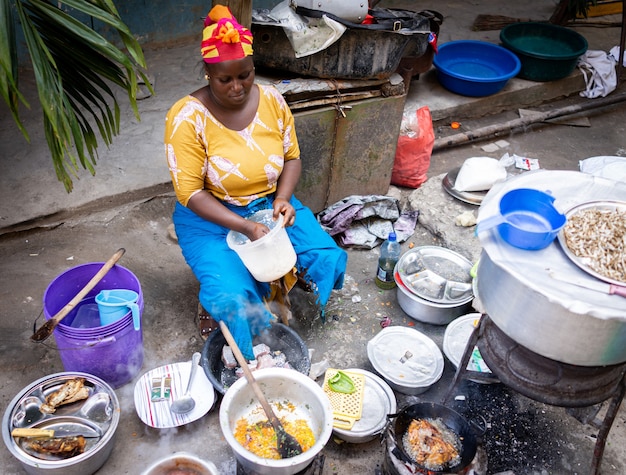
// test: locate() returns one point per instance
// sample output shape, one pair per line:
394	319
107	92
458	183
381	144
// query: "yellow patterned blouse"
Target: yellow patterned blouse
236	166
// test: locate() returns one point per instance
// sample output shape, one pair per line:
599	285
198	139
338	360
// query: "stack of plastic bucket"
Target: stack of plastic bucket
112	352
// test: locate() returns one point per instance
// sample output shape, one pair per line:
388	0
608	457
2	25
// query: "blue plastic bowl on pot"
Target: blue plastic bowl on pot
475	68
527	219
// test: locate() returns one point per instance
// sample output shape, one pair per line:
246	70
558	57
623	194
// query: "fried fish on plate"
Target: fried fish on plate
71	391
64	447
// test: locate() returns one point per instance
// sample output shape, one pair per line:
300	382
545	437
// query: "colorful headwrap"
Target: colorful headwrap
223	38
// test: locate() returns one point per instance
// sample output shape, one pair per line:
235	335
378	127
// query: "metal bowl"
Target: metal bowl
434	284
184	463
281	386
100	412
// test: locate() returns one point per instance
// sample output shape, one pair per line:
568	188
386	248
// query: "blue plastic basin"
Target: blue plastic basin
527	220
475	68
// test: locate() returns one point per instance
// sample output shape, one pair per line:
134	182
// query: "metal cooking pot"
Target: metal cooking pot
553	319
434	284
467	433
279	387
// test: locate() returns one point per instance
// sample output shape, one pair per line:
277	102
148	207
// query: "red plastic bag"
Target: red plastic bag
415	146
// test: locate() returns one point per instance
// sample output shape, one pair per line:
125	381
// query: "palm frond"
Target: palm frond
74	68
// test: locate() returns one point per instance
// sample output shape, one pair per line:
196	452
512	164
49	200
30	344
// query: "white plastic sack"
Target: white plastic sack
479	174
615	52
613	168
598	69
307	35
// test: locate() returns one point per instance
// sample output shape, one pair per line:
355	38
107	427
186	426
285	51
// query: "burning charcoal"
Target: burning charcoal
260	350
280	360
228	358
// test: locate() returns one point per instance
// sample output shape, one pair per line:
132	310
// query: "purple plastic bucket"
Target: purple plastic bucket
112	352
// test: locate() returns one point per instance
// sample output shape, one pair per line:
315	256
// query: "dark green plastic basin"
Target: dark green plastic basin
547	52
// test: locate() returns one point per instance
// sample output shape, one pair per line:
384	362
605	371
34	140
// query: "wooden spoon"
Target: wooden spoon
47	328
287	444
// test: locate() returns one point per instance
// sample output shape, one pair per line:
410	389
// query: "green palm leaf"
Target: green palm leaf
75	68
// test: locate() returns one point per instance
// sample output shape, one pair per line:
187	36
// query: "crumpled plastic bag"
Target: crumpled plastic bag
365	221
613	168
306	35
479	174
598	69
615	52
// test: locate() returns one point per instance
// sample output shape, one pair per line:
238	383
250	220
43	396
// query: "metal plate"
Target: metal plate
99	413
471	197
436	274
581	261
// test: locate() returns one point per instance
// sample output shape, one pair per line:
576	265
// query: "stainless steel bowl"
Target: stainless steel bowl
181	461
434	284
100	412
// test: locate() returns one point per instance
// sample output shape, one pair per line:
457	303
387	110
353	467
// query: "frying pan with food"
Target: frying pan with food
466	432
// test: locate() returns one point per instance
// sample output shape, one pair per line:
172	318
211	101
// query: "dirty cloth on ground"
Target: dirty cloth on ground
598	69
365	221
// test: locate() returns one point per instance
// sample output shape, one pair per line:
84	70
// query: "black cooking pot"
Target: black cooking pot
277	336
466	432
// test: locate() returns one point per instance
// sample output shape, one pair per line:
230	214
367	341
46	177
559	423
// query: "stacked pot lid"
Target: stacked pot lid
435	274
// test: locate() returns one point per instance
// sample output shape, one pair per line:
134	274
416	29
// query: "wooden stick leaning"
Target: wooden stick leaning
47	328
287	445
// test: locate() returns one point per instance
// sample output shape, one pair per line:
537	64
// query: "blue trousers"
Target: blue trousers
227	289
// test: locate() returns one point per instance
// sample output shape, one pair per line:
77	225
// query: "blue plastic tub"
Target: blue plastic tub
475	68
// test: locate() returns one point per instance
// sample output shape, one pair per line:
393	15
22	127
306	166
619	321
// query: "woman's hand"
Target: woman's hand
282	206
255	231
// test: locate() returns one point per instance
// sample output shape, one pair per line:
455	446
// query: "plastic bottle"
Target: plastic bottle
389	255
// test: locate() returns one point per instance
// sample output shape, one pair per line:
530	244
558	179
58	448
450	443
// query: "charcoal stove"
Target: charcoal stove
545	380
394	465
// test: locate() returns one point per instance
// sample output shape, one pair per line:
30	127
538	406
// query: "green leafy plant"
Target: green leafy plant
75	69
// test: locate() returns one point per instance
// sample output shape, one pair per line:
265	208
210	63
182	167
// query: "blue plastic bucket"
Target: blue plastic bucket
112	352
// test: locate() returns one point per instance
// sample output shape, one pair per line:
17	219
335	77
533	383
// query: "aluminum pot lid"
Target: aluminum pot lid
378	401
455	339
436	274
405	357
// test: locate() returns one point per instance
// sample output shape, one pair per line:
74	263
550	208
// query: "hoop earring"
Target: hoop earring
207	77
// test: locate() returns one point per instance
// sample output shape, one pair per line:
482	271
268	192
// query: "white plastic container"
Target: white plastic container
270	257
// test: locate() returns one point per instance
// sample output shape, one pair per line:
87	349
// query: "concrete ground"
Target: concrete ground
128	204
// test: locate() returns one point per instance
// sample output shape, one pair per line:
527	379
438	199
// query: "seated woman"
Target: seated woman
232	150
